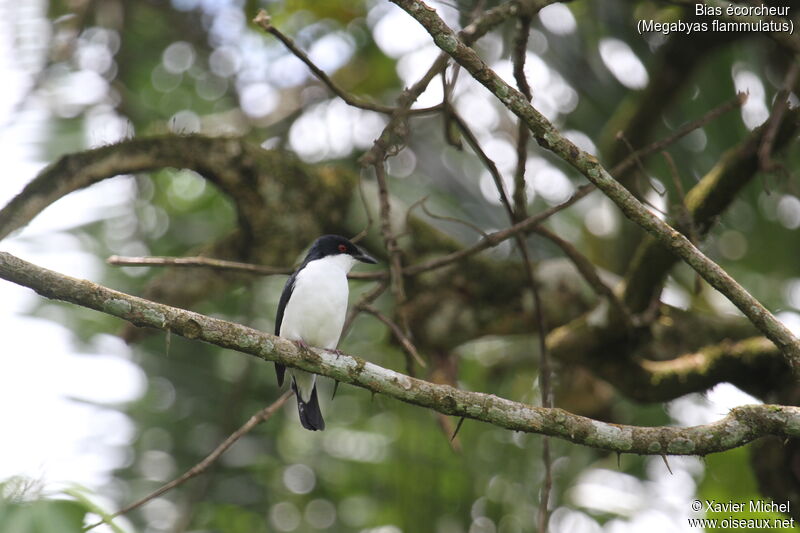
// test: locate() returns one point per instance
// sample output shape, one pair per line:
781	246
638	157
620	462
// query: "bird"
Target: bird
312	310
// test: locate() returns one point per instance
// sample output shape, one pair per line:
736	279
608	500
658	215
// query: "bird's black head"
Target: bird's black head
328	245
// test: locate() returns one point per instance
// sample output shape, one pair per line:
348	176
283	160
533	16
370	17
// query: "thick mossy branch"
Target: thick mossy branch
753	364
273	192
705	202
588	165
741	426
211	157
252	177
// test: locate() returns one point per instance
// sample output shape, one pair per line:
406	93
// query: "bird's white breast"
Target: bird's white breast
317	307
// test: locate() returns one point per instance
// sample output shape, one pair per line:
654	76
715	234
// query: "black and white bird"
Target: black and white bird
312	310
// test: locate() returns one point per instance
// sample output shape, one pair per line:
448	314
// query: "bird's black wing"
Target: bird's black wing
280	370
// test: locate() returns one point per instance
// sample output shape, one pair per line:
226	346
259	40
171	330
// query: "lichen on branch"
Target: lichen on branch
588	165
740	426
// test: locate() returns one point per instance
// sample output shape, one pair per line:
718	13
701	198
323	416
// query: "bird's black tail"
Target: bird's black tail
310	415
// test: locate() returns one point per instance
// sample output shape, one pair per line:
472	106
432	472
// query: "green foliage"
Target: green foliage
24	509
42	516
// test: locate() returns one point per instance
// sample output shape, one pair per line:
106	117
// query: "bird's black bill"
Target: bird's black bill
364	257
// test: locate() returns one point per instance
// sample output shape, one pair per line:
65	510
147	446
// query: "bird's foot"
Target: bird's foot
302	345
337	352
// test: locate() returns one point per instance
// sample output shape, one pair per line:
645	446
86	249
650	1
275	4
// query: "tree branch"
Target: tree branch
705	202
198	261
740	426
549	137
263	20
258	418
223	264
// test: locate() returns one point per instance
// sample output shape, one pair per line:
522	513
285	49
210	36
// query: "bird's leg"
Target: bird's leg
337	351
302	345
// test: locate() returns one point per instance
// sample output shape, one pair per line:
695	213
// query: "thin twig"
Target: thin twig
765	159
643	171
450	135
367	298
523	133
487	162
396	282
685	218
408	216
408	346
363	233
519	212
455	220
198	261
734	103
202	466
636	159
495	238
222	264
263	20
588	271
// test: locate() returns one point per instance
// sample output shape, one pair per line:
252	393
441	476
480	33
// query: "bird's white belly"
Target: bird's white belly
317	307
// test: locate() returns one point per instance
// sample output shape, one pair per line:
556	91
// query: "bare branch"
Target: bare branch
209	262
495	238
455	220
367	298
263	20
408	346
396	282
734	103
222	264
520	211
740	426
523	133
778	110
258	418
587	270
550	138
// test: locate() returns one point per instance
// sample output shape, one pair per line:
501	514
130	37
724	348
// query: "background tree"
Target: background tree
244	141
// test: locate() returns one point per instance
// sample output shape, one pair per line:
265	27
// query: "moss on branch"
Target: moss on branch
741	426
705	202
588	165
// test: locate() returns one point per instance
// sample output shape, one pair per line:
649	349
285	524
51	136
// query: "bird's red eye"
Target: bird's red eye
342	248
